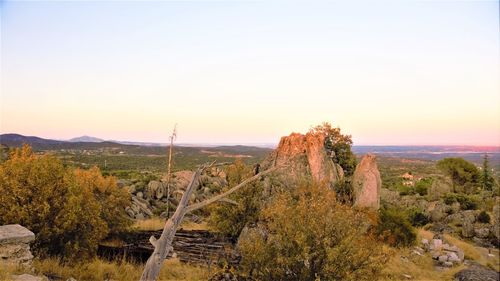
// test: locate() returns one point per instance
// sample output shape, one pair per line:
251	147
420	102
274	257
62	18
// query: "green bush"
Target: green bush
449	198
483	217
417	217
343	189
422	186
404	189
230	219
395	229
467	202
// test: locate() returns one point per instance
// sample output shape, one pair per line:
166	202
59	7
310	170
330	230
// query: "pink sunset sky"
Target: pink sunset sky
401	73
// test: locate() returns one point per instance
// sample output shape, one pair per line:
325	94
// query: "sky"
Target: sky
385	72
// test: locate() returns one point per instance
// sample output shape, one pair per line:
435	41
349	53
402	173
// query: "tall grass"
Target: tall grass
157	223
98	270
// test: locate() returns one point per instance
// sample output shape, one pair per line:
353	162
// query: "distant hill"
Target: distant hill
18	140
85	139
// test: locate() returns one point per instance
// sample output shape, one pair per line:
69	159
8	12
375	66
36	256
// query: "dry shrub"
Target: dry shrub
70	211
310	236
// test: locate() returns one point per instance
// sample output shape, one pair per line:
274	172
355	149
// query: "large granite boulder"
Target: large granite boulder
366	183
477	272
468	219
156	190
14	244
305	155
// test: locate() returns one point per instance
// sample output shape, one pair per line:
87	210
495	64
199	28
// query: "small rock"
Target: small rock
437	244
407	276
26	277
453	257
443	258
448	264
416	253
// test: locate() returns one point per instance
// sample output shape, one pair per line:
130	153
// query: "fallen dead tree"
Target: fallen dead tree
163	245
191	246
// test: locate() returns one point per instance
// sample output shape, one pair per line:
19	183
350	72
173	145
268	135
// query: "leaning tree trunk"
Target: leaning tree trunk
164	245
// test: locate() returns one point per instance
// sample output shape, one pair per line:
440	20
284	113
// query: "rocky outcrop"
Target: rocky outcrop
366	183
468	219
157	196
14	244
305	155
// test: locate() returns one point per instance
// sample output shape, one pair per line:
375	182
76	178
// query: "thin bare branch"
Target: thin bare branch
216	198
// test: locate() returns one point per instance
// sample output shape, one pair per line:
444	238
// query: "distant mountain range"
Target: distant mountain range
85	139
90	142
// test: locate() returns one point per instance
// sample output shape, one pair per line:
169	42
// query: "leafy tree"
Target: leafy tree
462	172
487	180
230	219
70	211
339	146
309	236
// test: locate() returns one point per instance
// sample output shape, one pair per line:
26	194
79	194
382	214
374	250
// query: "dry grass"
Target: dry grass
421	268
188	225
477	254
149	224
98	270
403	262
6	270
158	223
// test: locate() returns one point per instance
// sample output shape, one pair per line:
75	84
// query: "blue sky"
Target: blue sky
398	72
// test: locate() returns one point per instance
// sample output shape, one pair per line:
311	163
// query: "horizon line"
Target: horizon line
263	143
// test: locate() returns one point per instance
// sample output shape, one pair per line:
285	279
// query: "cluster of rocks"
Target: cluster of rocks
161	195
444	254
14	244
451	218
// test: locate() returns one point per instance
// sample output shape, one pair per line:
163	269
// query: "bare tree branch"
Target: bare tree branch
163	245
216	198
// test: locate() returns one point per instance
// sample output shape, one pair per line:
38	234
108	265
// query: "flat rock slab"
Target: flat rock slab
477	272
14	234
26	277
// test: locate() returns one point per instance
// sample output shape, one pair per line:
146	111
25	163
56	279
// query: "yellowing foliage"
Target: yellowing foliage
308	236
70	211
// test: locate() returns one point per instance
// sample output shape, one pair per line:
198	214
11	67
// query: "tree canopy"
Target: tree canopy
463	173
339	146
